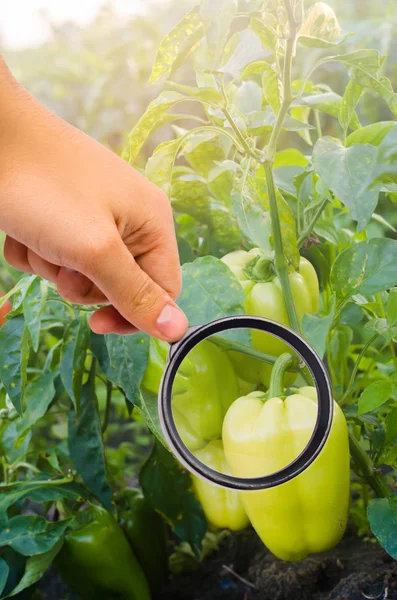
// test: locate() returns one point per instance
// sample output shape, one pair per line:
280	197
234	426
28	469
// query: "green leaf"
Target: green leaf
247	99
38	397
329	103
36	566
220	181
205	94
371	134
217	18
169	489
290	157
264	32
364	68
4	572
315	42
148	408
33	306
186	253
391	426
272	88
30	534
251	213
74	352
320	22
148	123
349	102
189	196
203	149
382	518
392	308
374	396
123	359
242	49
265	120
348	174
14	356
18	293
39	489
316	329
365	268
210	291
177	45
160	164
85	445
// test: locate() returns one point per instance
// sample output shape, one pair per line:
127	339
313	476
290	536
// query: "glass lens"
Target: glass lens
244	403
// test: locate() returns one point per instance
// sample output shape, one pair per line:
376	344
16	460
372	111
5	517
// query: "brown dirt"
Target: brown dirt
354	570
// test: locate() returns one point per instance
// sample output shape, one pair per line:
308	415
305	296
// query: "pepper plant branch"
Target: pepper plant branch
356	366
280	260
239	347
308	230
251	152
281	263
367	469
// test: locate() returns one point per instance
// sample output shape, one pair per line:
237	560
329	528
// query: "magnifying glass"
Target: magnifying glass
233	388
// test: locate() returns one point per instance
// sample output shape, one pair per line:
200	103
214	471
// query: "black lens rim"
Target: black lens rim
321	431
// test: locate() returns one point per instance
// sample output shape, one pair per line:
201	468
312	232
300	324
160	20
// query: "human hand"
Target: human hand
79	216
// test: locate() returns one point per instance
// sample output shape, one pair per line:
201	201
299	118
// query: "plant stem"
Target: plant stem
238	347
277	377
280	260
307	231
43	483
239	135
318	123
391	343
287	72
109	389
367	469
355	368
281	263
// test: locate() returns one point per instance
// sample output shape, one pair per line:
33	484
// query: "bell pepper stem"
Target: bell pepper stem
277	378
367	469
238	347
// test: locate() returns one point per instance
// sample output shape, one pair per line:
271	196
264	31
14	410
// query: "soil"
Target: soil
354	570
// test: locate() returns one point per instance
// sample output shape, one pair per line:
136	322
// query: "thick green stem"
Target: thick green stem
238	347
307	231
277	378
367	469
280	260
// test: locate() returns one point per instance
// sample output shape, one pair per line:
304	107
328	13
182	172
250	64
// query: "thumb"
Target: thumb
135	296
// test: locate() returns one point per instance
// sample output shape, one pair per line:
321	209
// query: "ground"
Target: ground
354	570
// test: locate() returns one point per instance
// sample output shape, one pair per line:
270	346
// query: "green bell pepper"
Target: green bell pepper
96	560
203	390
223	508
309	513
264	298
146	532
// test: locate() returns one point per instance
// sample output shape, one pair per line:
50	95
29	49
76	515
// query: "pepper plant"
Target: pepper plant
264	154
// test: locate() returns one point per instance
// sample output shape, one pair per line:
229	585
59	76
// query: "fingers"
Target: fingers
108	320
161	261
16	255
77	288
137	298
